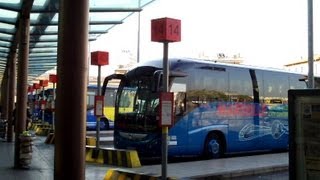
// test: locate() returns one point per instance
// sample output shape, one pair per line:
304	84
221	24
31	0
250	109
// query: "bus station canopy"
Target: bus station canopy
44	15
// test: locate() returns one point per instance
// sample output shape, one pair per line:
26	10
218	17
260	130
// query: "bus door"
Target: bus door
111	81
108	79
178	133
179	130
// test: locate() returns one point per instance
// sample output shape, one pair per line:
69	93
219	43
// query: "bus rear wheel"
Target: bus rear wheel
213	146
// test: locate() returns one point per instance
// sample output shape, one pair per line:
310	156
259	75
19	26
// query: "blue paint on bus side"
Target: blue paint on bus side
92	122
271	132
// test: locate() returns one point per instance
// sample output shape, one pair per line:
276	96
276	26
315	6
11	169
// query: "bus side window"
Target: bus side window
180	103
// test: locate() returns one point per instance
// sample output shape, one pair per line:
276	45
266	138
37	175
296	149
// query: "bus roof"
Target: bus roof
175	61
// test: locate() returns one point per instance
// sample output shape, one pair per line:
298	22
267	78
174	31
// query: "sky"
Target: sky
267	33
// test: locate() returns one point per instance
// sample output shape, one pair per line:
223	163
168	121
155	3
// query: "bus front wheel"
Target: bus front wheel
213	146
106	123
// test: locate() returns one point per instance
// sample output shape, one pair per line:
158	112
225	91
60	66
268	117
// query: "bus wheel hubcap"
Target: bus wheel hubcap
214	147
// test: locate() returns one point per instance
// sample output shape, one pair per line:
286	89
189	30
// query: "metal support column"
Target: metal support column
22	93
42	100
310	44
98	118
4	94
72	67
4	100
11	94
164	149
53	105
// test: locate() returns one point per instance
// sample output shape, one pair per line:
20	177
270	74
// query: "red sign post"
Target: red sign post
98	106
166	108
99	58
36	86
30	89
53	78
165	30
43	83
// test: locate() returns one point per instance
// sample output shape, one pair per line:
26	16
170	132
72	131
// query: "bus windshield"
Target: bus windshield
137	104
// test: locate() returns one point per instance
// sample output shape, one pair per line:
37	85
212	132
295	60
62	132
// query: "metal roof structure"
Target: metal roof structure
44	15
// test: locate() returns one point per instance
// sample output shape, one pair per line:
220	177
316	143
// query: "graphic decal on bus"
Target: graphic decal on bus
251	131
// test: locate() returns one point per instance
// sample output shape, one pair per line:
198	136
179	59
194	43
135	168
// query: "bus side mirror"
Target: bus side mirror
158	80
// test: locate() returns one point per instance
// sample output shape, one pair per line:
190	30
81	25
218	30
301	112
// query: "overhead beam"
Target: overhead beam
11	7
39	9
7	31
52	40
5	46
3	39
56	33
11	21
55	23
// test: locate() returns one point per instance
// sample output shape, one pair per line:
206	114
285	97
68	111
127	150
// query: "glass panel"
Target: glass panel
11	2
8	14
107	16
55	18
42	59
115	3
41	50
49	37
51	29
39	2
44	65
6	44
3	54
45	44
145	2
6	26
100	27
94	36
4	49
42	54
34	16
5	35
5	39
7	31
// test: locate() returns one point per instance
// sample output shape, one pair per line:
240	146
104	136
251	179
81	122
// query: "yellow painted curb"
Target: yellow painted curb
117	157
90	141
113	174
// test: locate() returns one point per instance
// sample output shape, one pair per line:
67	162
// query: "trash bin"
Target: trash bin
3	128
26	142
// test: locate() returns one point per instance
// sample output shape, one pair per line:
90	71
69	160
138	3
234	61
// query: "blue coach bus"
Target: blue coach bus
218	108
107	121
